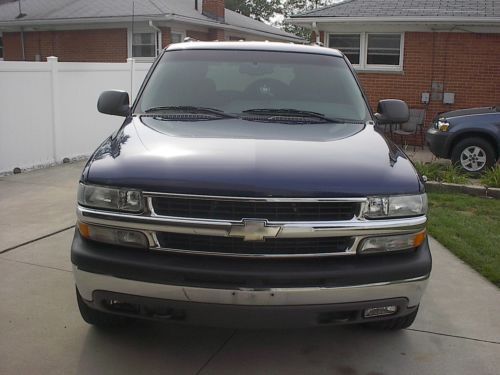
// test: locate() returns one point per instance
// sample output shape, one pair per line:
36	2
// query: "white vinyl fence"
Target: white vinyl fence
48	110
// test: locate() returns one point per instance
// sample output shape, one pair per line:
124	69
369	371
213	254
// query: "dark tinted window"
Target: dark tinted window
383	49
349	44
144	45
235	81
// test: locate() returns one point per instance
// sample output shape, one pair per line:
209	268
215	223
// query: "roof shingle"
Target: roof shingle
60	10
408	8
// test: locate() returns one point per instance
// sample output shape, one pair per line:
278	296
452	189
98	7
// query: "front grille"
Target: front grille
271	247
241	209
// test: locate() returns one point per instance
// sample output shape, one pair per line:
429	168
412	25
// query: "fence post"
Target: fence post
54	88
131	62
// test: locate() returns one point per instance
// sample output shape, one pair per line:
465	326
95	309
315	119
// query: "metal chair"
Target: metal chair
414	126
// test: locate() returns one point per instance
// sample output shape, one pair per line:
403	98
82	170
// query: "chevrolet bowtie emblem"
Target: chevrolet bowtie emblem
254	230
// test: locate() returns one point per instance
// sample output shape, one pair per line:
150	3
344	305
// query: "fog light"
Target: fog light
380	311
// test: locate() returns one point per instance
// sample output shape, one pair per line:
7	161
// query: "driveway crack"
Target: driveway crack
216	352
34	264
36	239
454	336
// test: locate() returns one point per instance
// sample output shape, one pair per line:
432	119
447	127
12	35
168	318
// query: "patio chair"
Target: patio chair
412	128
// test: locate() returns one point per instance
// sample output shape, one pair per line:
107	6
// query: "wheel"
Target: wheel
401	322
99	318
474	155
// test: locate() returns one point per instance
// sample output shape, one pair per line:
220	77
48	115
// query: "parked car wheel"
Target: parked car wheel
473	155
396	323
99	318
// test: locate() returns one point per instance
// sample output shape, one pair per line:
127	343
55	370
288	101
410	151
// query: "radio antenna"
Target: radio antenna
133	22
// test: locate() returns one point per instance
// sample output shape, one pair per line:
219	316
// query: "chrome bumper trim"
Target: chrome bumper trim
411	289
150	194
355	227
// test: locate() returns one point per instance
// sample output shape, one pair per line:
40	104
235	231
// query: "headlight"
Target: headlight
442	125
110	198
113	236
392	243
396	206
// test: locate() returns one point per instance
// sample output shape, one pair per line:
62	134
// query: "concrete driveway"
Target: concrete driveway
41	332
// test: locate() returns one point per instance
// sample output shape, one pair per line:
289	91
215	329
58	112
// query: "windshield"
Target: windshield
254	82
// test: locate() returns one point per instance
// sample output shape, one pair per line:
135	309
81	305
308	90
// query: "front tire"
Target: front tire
394	324
99	318
474	155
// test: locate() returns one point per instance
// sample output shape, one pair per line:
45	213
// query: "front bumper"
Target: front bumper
246	309
251	292
411	289
438	142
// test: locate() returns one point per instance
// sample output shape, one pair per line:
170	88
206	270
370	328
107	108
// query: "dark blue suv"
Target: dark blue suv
469	137
248	186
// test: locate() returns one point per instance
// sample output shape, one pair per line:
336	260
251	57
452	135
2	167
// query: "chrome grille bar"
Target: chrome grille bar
155	226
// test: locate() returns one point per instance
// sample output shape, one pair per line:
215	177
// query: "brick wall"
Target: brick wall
165	36
212	34
466	64
106	45
214	9
321	37
216	34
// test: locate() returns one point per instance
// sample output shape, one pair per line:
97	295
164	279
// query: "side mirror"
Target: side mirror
392	111
114	102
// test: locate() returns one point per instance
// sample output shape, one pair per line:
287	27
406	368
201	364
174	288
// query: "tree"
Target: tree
291	7
261	10
268	10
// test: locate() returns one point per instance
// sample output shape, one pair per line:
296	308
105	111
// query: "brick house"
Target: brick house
106	31
434	54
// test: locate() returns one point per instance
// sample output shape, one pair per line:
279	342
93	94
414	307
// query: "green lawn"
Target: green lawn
470	228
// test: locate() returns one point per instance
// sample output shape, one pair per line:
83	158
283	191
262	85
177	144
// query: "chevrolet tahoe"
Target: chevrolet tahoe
248	186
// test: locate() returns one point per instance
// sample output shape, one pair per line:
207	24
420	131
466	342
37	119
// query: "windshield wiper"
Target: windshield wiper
189	109
299	113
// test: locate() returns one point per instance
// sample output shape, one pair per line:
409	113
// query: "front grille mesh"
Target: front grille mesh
238	210
271	247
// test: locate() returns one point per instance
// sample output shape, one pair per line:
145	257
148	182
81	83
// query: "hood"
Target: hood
233	157
468	112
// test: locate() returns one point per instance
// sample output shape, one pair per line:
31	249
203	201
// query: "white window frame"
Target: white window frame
144	30
179	32
361	47
363	53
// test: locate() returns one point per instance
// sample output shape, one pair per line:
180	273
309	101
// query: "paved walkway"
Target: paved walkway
41	332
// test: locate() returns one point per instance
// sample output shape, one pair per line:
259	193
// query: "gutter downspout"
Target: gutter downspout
158	35
314	27
22	45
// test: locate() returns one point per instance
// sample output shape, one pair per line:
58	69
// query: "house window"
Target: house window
144	45
176	37
371	51
383	49
349	44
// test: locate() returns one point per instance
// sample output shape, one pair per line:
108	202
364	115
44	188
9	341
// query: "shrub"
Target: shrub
442	173
454	175
491	177
430	170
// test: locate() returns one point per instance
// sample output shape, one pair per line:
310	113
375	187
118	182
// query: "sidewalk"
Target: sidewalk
457	330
